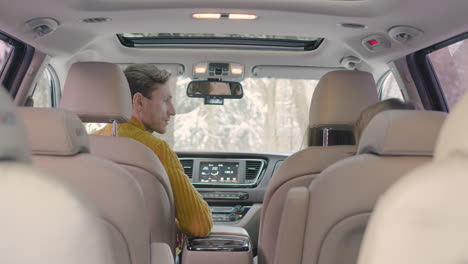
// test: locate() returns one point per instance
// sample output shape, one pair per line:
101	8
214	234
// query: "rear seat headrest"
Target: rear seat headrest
97	92
402	132
453	135
340	96
14	144
54	131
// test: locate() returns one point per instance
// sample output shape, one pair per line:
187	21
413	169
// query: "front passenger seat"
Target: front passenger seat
338	99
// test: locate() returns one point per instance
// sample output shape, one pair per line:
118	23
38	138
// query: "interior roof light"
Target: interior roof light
224	16
206	15
237	68
242	16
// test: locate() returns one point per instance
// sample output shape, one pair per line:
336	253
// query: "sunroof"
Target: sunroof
225	41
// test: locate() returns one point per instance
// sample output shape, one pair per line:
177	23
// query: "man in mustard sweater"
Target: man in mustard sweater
152	110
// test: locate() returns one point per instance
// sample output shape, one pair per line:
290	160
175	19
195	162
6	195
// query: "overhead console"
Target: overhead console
218	70
208	172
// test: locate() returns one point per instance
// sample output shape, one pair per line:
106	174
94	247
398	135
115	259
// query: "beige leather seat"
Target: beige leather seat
338	203
338	99
99	92
42	219
423	217
60	146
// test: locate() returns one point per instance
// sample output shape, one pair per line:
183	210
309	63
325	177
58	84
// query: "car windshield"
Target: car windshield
271	117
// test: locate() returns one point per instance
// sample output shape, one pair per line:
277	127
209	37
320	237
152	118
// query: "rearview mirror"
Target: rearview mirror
218	89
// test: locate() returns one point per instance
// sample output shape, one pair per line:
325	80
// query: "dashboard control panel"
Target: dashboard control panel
224	172
219	172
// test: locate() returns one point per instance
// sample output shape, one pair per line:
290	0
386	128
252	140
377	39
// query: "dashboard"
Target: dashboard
231	182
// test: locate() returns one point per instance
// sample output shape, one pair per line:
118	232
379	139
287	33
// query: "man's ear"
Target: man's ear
137	101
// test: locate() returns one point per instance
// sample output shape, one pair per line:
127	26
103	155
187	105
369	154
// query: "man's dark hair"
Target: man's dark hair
142	78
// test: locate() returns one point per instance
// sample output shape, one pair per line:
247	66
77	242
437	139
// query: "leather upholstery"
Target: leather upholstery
148	171
97	92
340	96
42	219
299	169
342	197
453	134
422	218
58	133
111	189
402	132
352	91
45	221
14	144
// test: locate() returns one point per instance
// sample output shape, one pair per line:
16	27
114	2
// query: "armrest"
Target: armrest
229	230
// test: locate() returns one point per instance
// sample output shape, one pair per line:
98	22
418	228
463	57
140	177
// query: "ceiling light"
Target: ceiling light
237	68
242	16
201	67
206	15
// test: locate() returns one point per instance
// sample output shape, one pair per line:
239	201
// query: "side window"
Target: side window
450	65
6	50
389	88
47	90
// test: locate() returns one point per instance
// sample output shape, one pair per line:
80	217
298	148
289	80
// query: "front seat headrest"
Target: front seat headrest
54	131
14	145
340	96
453	136
97	92
402	132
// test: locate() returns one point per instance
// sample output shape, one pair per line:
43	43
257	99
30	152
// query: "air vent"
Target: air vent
252	170
188	167
95	20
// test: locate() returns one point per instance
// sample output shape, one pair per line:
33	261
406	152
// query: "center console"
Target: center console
229	213
225	244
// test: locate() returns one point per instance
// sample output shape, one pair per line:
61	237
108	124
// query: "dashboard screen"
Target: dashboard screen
219	172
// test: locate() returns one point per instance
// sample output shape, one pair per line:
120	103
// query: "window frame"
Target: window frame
55	90
425	77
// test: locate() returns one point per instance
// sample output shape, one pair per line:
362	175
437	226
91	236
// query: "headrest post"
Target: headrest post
114	128
325	137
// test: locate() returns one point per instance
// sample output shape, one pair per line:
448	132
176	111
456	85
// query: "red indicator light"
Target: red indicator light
373	42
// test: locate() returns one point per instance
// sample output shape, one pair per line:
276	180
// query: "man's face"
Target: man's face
157	111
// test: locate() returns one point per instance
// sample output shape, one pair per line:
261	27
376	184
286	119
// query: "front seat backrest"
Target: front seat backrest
60	147
342	197
338	99
99	92
42	219
423	217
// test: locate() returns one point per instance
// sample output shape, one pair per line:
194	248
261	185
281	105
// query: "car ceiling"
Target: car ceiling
74	40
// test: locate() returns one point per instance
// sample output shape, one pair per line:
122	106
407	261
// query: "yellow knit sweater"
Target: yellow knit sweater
192	212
